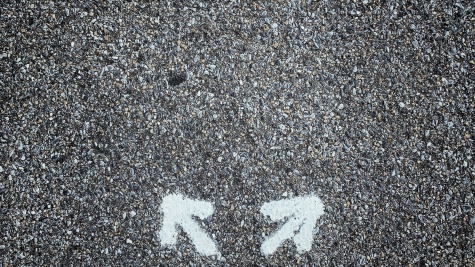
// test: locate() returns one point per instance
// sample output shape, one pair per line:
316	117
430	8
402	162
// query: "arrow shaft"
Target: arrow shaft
275	240
203	243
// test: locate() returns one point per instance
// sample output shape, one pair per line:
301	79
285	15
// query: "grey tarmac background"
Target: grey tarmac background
108	106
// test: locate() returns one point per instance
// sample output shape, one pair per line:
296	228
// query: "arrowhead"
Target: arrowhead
178	210
302	214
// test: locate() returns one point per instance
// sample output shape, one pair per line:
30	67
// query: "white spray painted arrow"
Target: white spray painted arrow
178	210
302	213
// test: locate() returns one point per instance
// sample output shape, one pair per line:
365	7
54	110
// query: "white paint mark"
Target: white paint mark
178	210
302	213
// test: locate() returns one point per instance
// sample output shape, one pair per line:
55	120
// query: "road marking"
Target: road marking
302	213
178	210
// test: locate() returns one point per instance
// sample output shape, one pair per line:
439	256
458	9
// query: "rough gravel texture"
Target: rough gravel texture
108	106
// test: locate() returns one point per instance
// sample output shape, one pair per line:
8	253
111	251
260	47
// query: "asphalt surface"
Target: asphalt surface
106	107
